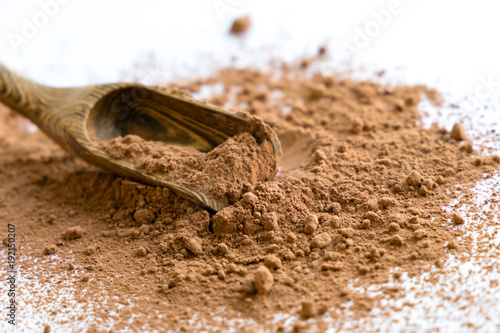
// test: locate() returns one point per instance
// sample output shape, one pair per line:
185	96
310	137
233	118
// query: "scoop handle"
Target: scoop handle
23	95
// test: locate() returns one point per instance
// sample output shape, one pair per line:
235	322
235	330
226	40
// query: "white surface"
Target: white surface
451	42
450	45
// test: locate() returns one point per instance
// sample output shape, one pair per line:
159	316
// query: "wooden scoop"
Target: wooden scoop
77	118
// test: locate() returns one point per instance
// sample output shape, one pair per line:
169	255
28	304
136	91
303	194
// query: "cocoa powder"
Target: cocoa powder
240	25
224	173
359	192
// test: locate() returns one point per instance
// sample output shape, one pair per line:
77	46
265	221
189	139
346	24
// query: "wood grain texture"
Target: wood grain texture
77	118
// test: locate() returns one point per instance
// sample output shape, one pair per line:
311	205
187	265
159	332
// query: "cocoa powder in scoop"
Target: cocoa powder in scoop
223	174
359	192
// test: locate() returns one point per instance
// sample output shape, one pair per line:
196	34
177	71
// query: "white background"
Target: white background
450	42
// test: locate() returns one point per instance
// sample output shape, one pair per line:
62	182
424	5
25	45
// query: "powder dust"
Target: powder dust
359	192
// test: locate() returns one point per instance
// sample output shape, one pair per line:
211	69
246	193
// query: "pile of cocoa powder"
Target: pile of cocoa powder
359	192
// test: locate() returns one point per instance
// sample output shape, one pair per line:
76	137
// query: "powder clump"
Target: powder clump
50	249
240	25
457	218
73	233
263	280
310	224
458	132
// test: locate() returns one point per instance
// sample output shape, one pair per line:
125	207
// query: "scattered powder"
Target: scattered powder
359	191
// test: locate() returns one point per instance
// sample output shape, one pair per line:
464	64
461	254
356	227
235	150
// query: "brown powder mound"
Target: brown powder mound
359	192
235	166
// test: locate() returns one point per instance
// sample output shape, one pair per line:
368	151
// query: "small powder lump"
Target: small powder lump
458	132
240	25
263	280
73	233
